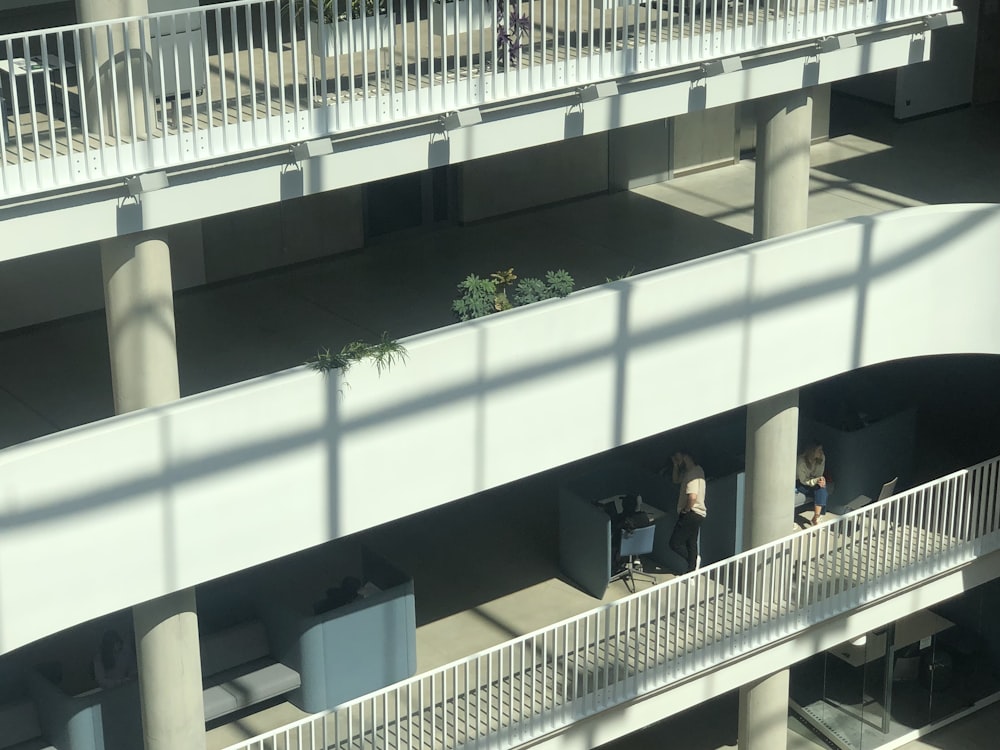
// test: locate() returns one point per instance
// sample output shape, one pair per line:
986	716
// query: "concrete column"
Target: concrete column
781	199
107	66
139	308
772	436
781	181
166	636
763	720
139	304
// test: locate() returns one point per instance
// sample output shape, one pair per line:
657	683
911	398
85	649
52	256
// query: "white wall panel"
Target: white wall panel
97	518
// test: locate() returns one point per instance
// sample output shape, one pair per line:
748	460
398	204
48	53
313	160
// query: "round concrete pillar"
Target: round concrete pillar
139	306
781	178
763	720
107	66
771	442
166	637
781	200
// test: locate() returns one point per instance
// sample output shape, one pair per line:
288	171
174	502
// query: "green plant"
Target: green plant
560	282
530	290
384	353
480	297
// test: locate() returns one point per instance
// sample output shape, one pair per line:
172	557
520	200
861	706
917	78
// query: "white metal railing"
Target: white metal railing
560	674
96	101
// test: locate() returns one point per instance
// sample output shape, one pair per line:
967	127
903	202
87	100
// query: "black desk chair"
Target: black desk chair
634	543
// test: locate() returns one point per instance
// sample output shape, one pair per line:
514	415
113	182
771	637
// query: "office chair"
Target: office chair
634	543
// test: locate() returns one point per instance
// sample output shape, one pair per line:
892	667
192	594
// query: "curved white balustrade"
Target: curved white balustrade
543	681
99	517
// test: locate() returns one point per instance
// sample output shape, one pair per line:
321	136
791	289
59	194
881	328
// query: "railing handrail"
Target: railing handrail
704	572
252	102
940	508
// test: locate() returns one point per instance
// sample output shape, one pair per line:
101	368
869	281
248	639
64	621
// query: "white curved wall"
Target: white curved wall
100	517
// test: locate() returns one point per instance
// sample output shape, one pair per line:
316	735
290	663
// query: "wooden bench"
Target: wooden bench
239	671
19	728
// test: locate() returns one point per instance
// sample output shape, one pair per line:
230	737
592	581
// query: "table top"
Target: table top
643	507
37	63
910	629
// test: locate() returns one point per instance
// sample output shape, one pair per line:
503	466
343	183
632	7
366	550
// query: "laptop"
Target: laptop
862	500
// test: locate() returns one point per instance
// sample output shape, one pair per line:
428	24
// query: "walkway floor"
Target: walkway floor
56	376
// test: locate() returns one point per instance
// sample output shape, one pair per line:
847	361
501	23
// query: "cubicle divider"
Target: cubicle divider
84	716
585	529
349	650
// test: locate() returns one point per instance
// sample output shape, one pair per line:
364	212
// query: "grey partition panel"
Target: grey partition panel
584	543
345	652
107	719
311	695
720	531
372	646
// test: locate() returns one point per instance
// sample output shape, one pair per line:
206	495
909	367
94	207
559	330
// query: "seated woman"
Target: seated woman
809	479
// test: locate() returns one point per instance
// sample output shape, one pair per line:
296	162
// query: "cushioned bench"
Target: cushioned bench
239	671
19	729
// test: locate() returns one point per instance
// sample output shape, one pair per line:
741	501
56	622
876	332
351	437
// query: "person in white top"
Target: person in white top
691	509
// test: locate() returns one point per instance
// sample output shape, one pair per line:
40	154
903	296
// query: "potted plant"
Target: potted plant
480	297
384	353
347	25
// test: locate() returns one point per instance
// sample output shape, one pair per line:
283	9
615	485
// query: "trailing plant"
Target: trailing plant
627	274
384	353
512	31
479	297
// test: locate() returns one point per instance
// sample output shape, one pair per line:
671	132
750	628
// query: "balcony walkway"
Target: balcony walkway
894	165
239	79
547	679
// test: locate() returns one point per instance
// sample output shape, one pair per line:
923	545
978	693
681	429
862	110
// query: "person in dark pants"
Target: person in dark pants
691	509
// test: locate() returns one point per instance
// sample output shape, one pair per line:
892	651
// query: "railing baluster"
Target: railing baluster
252	71
148	120
237	77
770	591
209	107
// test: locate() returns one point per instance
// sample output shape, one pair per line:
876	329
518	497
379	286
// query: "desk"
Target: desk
655	513
585	526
